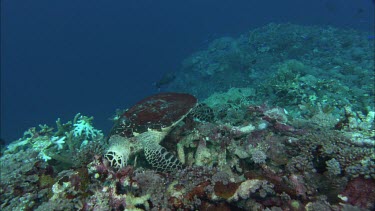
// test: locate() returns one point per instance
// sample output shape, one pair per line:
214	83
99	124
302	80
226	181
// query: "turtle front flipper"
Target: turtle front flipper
160	158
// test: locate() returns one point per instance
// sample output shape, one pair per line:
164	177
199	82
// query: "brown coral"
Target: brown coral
225	191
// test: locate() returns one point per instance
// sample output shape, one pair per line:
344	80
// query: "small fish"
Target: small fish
360	11
166	79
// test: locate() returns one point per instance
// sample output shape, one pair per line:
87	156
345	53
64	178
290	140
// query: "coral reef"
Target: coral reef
299	136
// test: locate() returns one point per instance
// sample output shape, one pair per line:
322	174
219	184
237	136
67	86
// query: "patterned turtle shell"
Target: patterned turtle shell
154	113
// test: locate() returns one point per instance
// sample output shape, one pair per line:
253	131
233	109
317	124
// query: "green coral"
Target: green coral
333	167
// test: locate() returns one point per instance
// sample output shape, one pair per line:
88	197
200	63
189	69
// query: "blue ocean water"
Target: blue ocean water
59	58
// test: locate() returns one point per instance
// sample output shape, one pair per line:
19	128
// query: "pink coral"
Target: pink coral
361	192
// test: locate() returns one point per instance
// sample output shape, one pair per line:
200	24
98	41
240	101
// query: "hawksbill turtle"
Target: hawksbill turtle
145	125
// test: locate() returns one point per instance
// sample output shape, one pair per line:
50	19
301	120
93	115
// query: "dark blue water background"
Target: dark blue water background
59	58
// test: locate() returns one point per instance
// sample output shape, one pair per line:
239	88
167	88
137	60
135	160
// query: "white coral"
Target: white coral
84	127
58	141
